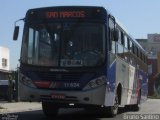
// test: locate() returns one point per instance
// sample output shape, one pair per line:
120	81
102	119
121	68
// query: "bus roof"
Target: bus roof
58	7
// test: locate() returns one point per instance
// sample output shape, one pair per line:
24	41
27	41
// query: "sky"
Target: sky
139	17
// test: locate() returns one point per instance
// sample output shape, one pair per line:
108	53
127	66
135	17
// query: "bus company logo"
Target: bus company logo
53	85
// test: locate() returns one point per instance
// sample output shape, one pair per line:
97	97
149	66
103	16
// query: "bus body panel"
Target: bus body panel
122	78
125	74
111	80
91	97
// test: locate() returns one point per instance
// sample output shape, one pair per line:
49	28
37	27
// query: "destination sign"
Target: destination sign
65	14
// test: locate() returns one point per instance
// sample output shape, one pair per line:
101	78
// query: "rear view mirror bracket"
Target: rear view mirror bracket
16	30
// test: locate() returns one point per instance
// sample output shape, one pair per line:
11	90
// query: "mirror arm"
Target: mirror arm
16	29
18	21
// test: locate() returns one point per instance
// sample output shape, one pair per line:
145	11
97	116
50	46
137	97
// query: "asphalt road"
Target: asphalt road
72	115
150	110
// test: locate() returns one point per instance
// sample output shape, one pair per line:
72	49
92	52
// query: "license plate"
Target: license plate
57	96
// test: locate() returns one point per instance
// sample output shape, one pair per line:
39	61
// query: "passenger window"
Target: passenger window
125	42
111	36
122	38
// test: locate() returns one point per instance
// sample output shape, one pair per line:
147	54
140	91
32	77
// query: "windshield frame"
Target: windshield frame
27	25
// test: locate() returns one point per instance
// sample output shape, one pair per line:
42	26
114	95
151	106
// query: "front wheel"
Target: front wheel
50	109
113	110
109	111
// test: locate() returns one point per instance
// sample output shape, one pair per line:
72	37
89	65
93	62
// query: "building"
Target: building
152	47
4	63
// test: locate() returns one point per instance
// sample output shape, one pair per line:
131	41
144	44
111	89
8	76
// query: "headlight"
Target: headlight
27	81
95	83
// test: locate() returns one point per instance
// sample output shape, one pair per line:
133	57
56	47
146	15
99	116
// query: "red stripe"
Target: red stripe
42	84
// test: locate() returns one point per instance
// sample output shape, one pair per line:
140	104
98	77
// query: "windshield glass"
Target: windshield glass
64	44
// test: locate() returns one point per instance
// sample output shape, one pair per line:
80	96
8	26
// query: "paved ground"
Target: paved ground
33	111
6	107
151	106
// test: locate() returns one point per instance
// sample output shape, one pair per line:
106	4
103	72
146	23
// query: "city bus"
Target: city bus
80	56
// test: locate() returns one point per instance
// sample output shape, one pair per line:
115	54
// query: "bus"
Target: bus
80	56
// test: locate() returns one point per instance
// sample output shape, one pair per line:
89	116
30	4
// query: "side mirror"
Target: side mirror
116	35
16	32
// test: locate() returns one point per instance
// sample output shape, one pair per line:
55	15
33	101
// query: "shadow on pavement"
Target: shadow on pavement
78	115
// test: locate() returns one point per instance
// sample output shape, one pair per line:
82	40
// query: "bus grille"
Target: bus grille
60	76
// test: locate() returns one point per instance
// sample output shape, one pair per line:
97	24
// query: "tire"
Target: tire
134	107
105	111
137	106
50	109
92	111
112	110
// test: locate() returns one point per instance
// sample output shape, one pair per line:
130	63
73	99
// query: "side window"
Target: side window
146	59
143	58
135	50
141	55
122	38
126	54
138	54
125	42
119	40
111	37
131	46
128	41
132	59
119	44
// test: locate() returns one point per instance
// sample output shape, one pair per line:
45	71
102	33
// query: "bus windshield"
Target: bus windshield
64	44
